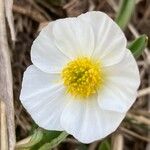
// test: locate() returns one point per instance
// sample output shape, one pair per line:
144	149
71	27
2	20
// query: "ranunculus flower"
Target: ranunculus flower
83	79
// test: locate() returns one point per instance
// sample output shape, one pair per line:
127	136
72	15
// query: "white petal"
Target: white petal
110	42
45	55
73	37
43	97
87	122
120	90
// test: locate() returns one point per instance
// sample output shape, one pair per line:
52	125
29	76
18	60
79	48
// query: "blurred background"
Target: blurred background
29	17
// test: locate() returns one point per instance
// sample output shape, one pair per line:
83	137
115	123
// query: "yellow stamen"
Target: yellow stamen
82	77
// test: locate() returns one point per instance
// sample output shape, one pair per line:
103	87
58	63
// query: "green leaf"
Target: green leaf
105	145
138	45
39	138
35	138
48	136
125	12
54	142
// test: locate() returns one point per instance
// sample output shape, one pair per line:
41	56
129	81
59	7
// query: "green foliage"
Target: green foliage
125	12
44	139
105	145
56	141
36	138
138	45
122	19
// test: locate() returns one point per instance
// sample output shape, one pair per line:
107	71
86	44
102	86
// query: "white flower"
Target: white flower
83	79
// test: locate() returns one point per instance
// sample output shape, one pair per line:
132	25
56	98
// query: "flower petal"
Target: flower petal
43	97
73	37
123	81
87	122
110	42
45	55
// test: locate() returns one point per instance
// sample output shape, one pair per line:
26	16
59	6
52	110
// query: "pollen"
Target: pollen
82	77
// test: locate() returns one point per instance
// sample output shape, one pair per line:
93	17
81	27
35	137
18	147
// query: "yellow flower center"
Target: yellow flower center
82	77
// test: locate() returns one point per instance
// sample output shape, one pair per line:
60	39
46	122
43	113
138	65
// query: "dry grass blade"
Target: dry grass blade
141	113
135	134
34	4
33	14
3	127
24	141
9	15
144	92
6	92
139	119
93	145
117	142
